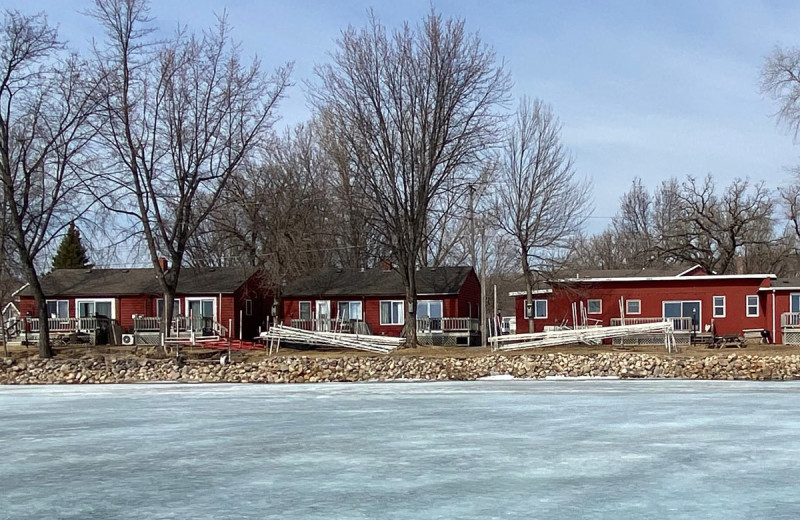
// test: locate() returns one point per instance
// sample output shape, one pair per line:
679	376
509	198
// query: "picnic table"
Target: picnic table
728	341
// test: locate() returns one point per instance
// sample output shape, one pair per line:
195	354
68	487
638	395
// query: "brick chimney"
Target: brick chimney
386	265
162	263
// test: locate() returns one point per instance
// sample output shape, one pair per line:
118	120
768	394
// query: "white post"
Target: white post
494	316
240	324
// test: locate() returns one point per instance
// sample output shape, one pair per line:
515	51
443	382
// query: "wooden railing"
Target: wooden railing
180	324
60	325
680	324
790	320
329	325
423	325
448	325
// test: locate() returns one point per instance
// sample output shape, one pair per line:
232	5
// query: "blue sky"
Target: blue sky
648	89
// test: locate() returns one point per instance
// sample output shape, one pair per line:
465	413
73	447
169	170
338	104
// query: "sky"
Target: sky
644	89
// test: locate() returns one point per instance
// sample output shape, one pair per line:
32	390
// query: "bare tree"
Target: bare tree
780	80
179	118
542	203
356	243
45	100
712	229
274	213
414	110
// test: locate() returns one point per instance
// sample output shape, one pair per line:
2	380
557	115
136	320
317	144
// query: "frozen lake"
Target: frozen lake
483	450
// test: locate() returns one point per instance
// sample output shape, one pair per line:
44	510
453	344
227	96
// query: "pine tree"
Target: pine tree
71	254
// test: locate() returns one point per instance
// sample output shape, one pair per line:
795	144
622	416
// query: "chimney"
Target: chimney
386	265
162	263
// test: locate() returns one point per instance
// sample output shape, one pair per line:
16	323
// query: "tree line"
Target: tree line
415	152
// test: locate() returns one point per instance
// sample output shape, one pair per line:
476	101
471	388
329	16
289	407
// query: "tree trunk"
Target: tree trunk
411	305
526	270
169	310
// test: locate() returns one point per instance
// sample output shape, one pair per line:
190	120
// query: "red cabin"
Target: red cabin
696	301
229	301
373	301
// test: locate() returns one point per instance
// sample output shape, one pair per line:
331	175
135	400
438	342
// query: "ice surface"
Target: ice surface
483	450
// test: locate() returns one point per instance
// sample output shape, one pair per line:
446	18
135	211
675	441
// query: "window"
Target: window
685	314
58	308
719	306
594	306
794	302
539	309
248	307
176	307
305	310
633	307
94	308
429	309
349	311
392	313
752	306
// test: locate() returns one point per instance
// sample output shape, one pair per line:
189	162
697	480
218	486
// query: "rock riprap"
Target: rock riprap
309	369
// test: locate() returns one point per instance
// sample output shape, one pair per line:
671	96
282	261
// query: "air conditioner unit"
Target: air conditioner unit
128	339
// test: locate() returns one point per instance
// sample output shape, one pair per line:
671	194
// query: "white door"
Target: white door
324	315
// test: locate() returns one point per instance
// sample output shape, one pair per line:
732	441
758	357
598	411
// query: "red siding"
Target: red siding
469	298
653	294
461	305
228	306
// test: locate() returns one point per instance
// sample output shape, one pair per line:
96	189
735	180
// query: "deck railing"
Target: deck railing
448	325
61	325
180	324
423	325
680	324
329	325
790	320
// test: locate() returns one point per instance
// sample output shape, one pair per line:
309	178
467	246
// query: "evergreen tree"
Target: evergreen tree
71	254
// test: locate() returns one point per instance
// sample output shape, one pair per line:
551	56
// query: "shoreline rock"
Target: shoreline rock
307	369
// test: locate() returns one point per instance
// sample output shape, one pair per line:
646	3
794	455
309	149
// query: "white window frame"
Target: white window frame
176	306
58	308
188	301
427	303
754	305
96	301
300	310
792	297
401	319
350	304
638	306
589	306
714	306
248	307
699	310
534	305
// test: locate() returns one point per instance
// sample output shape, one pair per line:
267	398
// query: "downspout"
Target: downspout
774	335
218	317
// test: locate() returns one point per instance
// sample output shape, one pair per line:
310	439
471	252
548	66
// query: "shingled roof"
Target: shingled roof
377	282
119	282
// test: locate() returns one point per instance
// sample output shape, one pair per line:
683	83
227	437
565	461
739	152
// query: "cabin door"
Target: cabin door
202	314
324	315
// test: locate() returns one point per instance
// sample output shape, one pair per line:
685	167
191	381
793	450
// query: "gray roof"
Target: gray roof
377	282
784	283
117	282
